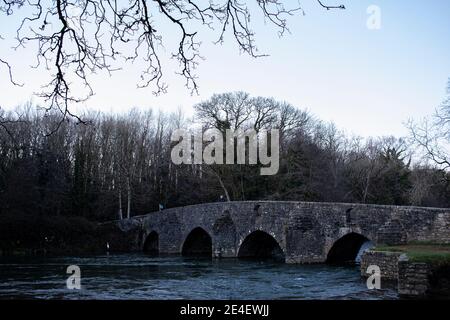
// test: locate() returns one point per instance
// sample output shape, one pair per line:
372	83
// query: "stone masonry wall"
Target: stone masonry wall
413	278
305	231
387	261
423	279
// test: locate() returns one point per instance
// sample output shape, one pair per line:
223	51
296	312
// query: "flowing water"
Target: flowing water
138	276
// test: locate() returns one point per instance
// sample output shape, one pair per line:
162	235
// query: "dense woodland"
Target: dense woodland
118	166
62	172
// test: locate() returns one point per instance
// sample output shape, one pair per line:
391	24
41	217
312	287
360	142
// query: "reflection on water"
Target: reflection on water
137	276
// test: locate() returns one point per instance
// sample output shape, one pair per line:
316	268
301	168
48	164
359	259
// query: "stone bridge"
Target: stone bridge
294	232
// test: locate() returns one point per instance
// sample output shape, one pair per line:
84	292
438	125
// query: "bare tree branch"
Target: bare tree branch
331	7
11	79
76	39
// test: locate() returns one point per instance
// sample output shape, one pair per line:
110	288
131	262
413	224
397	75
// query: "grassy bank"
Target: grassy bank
421	252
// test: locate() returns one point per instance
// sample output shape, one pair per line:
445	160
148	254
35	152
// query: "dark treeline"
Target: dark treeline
119	166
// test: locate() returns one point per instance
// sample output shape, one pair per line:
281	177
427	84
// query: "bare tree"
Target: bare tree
77	38
431	136
8	119
364	168
4	121
239	111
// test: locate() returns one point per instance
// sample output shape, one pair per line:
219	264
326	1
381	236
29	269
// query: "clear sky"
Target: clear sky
369	82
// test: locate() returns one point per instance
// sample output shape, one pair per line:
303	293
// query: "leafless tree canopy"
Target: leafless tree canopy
77	38
121	165
431	136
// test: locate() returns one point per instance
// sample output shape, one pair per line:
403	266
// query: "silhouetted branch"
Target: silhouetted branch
331	7
10	73
75	39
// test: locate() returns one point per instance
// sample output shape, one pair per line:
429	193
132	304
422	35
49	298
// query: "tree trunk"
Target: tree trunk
120	206
227	195
366	188
128	199
224	188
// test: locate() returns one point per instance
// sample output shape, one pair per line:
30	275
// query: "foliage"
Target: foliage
118	166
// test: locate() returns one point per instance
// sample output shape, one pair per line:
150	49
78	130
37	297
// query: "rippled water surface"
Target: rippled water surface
137	276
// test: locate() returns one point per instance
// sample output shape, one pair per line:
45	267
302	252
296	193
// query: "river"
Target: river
138	276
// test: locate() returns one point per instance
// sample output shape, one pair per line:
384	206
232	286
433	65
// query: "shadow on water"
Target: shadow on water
261	246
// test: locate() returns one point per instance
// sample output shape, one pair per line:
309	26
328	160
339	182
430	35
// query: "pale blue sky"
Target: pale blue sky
369	82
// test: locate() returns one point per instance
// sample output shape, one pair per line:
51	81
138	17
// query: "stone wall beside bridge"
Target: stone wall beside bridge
295	232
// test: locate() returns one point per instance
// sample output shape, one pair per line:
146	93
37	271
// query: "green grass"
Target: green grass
429	243
429	257
421	251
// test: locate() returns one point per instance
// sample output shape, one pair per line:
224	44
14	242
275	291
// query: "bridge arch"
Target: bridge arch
346	248
261	245
151	243
197	243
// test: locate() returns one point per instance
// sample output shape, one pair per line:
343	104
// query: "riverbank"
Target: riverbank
421	270
33	235
421	252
